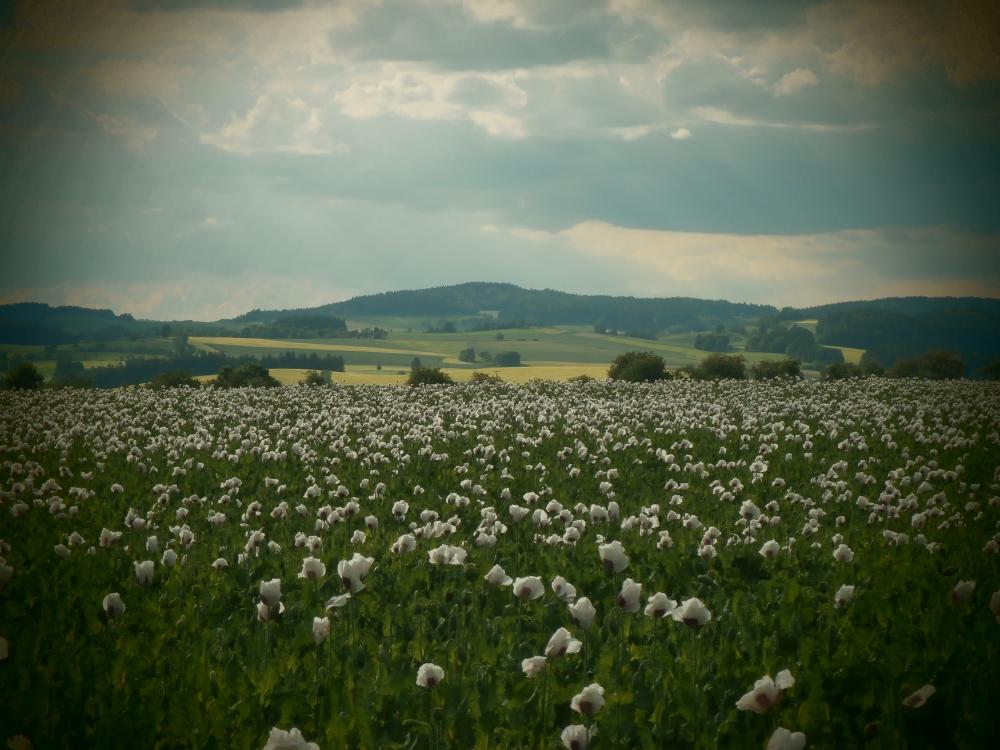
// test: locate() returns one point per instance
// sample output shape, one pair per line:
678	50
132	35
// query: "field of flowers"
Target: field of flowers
691	564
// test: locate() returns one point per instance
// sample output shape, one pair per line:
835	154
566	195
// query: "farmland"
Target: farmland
831	530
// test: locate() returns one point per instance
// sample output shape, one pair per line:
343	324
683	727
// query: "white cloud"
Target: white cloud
278	122
798	79
721	116
804	269
427	94
681	134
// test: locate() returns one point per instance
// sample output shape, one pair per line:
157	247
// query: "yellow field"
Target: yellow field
852	356
368	375
211	341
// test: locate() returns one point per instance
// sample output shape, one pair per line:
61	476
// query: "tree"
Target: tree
483	378
166	330
841	371
428	376
415	364
499	337
24	376
992	370
246	375
174	379
467	355
935	364
315	378
507	359
638	367
722	366
776	368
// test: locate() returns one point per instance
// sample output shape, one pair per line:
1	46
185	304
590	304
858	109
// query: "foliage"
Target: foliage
247	375
769	369
316	378
658	468
934	365
428	376
580	379
482	378
174	379
467	355
794	341
638	367
716	341
24	376
992	370
722	366
507	359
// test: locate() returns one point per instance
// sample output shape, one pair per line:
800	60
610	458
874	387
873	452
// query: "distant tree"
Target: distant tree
486	356
499	337
870	366
776	368
166	331
174	379
992	370
638	367
246	375
483	378
717	341
507	359
722	366
935	364
415	364
428	376
841	371
315	378
67	369
467	355
24	376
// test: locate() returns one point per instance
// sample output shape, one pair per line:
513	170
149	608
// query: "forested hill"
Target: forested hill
542	307
38	323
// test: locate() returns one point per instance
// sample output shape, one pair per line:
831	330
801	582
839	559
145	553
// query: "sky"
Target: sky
194	160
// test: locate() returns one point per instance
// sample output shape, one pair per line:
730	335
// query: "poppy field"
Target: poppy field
687	564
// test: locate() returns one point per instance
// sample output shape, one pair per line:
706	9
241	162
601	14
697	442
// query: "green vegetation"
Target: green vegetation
130	608
638	367
507	359
174	379
721	367
316	378
428	376
935	365
715	341
248	375
24	376
776	368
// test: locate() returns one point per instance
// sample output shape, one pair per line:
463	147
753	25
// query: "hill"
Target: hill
513	304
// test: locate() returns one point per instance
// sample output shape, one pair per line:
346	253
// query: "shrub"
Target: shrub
174	379
776	368
246	375
638	367
507	359
722	367
23	377
428	376
315	378
482	377
935	364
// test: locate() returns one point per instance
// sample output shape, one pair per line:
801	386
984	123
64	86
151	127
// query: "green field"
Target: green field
176	566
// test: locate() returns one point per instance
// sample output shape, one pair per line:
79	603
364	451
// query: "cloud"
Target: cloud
725	117
681	134
803	269
488	100
279	122
798	79
876	42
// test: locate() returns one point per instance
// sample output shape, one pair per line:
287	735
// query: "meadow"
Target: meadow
687	564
